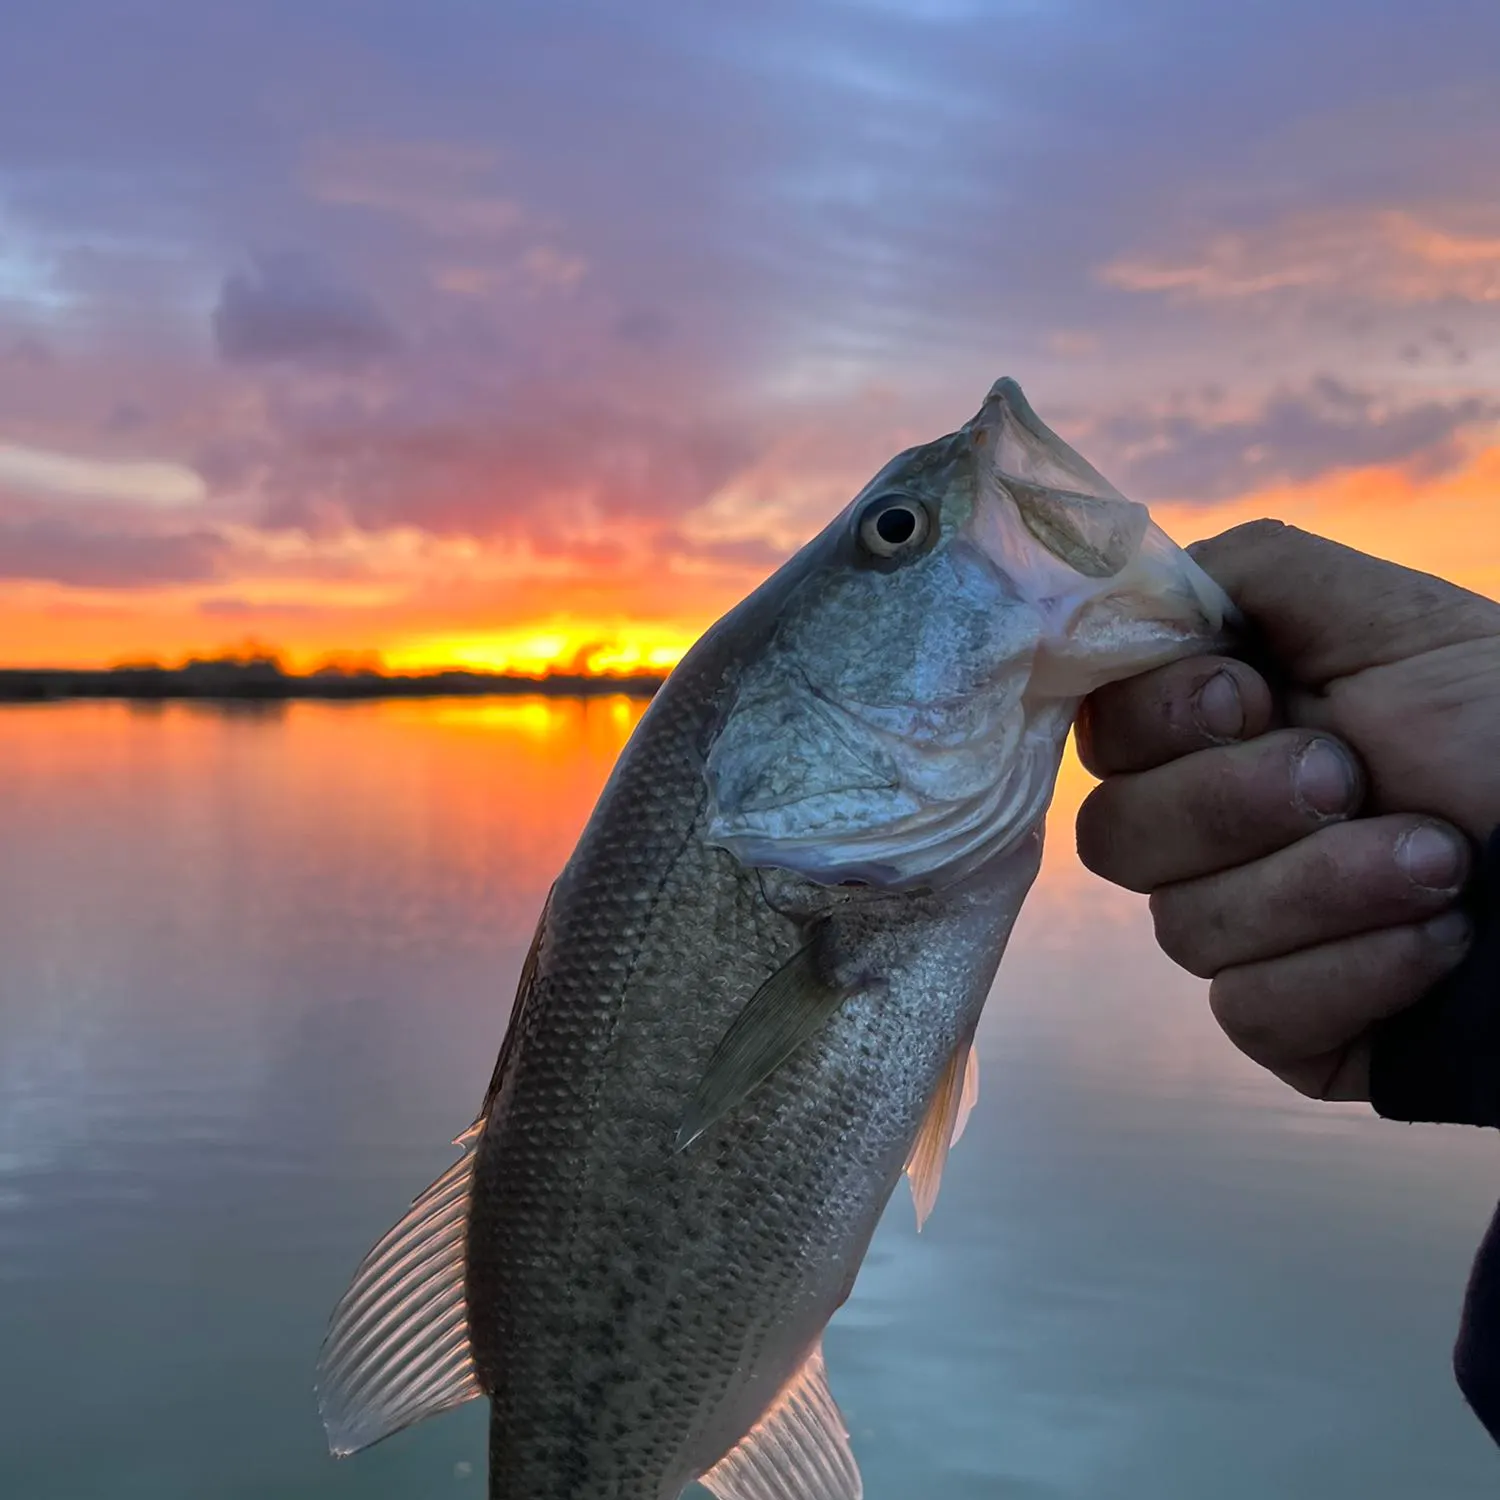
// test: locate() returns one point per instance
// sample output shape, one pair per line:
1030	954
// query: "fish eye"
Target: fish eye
892	526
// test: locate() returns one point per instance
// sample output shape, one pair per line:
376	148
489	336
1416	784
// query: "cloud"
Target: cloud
550	464
26	351
232	607
629	266
1383	255
132	482
291	309
445	189
61	550
126	416
1294	436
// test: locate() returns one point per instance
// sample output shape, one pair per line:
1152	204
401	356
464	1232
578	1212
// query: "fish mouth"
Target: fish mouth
1116	594
1175	595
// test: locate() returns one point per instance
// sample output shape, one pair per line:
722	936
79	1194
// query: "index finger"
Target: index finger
1159	716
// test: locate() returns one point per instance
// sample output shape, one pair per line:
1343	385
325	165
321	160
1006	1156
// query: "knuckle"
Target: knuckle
1102	834
1215	552
1238	1003
1185	932
1086	736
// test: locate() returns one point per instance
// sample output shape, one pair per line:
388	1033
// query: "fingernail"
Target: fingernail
1323	779
1451	930
1431	857
1217	709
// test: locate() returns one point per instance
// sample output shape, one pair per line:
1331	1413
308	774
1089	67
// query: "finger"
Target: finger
1216	809
1326	610
1301	1015
1159	716
1341	880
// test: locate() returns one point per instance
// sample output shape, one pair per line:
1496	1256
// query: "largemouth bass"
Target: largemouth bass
751	998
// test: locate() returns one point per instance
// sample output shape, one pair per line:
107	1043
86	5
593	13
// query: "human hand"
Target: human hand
1303	846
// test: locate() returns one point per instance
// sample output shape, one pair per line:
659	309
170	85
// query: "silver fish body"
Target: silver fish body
641	1306
843	784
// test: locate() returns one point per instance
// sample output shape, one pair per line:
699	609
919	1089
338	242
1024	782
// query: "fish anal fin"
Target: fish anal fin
947	1114
397	1348
799	1450
970	1096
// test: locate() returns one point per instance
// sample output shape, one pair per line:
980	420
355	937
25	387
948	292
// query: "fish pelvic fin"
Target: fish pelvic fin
397	1348
799	1450
957	1092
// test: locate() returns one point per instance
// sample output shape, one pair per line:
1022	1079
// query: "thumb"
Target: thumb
1325	610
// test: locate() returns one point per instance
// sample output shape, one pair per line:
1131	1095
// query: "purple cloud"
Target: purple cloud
291	309
1296	435
60	550
621	258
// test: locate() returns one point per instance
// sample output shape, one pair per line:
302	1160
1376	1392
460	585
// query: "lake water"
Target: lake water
254	968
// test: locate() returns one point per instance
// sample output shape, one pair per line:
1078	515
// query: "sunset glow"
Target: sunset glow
561	646
422	376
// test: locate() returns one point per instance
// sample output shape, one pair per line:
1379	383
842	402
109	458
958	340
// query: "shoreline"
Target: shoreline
58	685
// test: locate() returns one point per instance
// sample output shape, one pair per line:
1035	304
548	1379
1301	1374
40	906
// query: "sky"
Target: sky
538	333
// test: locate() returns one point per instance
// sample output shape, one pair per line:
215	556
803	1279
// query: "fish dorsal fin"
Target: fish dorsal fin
524	983
397	1348
956	1093
799	1450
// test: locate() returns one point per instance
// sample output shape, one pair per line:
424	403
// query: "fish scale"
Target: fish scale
752	997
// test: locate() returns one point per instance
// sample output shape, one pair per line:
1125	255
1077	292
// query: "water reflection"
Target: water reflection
254	973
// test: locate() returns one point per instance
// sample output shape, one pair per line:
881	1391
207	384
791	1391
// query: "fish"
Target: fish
750	1002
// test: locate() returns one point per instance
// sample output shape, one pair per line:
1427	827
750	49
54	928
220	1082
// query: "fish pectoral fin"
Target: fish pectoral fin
799	1450
956	1095
788	1008
397	1348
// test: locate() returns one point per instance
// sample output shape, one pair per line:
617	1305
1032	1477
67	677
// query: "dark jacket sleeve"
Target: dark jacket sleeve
1440	1061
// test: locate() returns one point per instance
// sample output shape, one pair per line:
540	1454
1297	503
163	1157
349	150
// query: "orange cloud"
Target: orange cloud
420	601
1449	525
425	601
1385	255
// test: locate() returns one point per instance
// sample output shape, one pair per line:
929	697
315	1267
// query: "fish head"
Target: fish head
900	717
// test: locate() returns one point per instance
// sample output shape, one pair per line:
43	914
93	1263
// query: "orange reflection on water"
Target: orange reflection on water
430	822
518	775
428	811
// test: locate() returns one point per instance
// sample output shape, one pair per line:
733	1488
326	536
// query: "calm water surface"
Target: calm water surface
254	968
